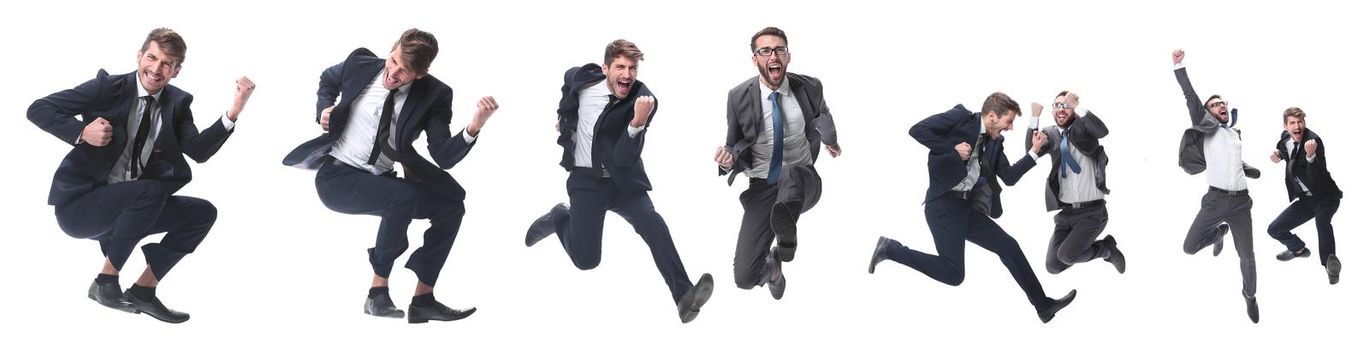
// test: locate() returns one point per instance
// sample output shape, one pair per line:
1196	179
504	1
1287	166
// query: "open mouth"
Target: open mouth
774	71
623	86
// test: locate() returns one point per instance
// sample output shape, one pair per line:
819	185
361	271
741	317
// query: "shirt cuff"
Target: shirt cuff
1034	123
467	136
1033	155
1310	159
1178	66
227	124
632	131
1080	111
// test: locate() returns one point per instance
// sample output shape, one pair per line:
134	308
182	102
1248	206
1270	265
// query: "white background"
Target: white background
281	269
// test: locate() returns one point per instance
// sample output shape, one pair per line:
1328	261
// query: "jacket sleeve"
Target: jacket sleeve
446	150
1011	173
1196	110
198	145
628	150
932	131
56	113
827	128
329	84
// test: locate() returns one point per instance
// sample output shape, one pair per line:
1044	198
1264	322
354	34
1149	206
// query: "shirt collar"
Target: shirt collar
143	92
380	79
783	90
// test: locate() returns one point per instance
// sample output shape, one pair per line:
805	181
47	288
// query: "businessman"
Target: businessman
1310	187
784	109
603	119
964	163
1213	145
118	184
385	103
1076	185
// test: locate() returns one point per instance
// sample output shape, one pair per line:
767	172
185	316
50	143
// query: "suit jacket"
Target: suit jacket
1313	174
87	167
1083	134
1191	156
618	153
941	133
427	109
746	120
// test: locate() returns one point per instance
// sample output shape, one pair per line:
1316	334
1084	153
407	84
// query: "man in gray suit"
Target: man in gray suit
1076	185
1213	145
774	125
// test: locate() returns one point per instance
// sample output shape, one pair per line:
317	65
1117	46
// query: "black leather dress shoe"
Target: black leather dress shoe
544	226
436	312
695	298
382	306
109	295
1222	229
776	287
155	309
1287	255
784	219
1252	308
1115	256
1048	313
1333	269
881	252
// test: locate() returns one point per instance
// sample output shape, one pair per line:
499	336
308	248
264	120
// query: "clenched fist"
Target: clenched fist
642	110
964	150
240	96
323	117
483	110
98	133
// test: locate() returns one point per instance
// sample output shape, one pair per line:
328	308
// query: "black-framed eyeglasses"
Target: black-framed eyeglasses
1061	105
767	51
1217	104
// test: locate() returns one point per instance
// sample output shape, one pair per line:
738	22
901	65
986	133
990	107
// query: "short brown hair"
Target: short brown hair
621	48
999	103
1063	94
1208	103
419	48
1293	112
768	31
171	43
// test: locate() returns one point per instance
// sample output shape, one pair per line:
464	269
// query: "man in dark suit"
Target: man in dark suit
1213	145
1076	185
118	183
602	140
385	104
965	161
1310	187
774	125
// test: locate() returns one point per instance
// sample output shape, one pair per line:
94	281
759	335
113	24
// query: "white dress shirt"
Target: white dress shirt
1222	150
796	147
593	100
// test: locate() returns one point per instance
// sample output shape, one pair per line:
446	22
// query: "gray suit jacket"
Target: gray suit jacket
1191	156
1084	135
745	119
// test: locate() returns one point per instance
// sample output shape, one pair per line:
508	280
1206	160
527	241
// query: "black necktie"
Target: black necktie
596	161
382	144
135	163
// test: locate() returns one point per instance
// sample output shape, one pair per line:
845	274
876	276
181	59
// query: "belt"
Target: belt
1082	205
329	159
960	194
600	172
1226	192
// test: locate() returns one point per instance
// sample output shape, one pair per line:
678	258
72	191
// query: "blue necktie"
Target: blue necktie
777	155
1066	159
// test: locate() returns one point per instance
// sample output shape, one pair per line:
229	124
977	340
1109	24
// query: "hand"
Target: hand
1072	99
98	133
483	110
243	92
1178	56
1274	157
723	158
323	117
834	150
1310	147
642	109
1038	138
1036	109
964	150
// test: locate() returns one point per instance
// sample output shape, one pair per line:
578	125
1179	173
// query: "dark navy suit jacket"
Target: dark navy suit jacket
941	133
619	154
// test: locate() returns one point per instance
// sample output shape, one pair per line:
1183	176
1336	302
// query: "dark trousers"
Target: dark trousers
1234	210
581	231
800	186
1076	237
397	202
119	215
1303	209
953	221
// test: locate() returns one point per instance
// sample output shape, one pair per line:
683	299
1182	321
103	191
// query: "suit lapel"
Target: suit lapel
758	120
352	87
416	95
801	95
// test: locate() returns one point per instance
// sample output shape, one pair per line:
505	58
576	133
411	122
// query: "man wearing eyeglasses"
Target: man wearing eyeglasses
1313	193
1076	185
775	123
1213	145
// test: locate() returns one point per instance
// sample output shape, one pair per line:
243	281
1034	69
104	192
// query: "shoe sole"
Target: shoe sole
533	236
459	316
783	222
701	295
129	308
1333	270
777	288
399	314
875	258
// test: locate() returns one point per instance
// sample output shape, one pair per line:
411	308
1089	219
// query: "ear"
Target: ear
420	76
605	67
176	71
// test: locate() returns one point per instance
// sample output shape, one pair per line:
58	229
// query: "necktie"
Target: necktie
777	153
983	145
1066	159
596	160
135	163
382	143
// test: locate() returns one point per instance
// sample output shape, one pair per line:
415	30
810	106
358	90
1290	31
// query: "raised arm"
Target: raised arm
1196	110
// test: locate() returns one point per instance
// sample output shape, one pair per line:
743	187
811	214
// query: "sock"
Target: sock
144	293
106	279
376	291
424	299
